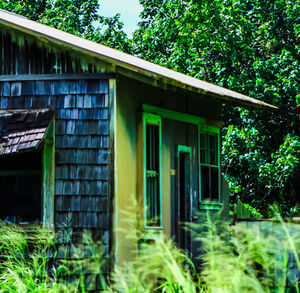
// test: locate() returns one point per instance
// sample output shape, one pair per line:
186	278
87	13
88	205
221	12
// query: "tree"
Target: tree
249	46
78	17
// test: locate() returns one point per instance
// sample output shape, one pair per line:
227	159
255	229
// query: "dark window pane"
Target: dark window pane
148	147
205	182
148	197
153	200
202	156
209	156
152	147
213	143
184	183
214	183
152	159
20	195
203	148
20	198
155	147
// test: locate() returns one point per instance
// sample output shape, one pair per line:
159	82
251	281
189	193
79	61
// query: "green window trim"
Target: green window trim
152	120
207	130
174	115
210	205
202	124
184	149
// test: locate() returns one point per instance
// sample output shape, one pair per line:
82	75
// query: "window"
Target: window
27	167
152	170
21	185
209	165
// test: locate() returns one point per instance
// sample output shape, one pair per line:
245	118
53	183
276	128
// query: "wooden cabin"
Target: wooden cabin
90	135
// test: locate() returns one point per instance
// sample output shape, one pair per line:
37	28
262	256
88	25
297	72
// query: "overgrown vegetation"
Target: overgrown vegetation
34	261
25	261
234	259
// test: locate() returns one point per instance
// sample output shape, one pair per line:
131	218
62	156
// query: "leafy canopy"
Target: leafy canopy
78	17
251	47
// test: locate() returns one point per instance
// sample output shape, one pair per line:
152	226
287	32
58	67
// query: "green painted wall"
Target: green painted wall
130	97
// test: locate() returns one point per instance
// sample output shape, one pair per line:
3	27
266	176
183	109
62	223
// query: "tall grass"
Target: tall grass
159	267
234	259
26	261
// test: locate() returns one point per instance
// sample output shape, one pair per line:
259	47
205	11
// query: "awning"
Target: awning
23	129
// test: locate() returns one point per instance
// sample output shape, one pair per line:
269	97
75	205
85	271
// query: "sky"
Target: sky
129	10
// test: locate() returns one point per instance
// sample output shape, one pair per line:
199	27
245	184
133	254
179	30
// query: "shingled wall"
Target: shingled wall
30	56
81	155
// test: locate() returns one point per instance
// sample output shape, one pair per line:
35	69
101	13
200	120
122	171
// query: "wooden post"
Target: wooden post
48	176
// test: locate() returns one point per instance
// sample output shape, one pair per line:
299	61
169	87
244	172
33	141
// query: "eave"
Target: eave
128	65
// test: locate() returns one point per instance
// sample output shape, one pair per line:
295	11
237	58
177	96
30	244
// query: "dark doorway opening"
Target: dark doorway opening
21	188
183	202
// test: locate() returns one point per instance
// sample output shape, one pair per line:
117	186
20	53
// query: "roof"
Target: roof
23	129
124	62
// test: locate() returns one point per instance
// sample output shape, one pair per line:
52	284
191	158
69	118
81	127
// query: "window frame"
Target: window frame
48	176
203	124
151	119
209	204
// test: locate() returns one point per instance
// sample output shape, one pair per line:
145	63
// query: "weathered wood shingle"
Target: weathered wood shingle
81	144
22	129
38	59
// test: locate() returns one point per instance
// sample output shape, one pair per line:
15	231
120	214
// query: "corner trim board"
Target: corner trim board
49	176
114	183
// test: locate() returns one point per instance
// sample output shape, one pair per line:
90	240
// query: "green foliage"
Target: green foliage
256	172
78	17
160	266
234	259
25	261
251	47
33	261
254	212
240	259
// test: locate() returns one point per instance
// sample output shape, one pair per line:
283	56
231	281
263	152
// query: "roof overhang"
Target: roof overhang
126	64
23	129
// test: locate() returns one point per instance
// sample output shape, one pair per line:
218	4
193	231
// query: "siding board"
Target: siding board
31	58
81	132
81	139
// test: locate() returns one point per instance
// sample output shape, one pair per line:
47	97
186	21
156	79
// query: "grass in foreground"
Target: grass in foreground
235	259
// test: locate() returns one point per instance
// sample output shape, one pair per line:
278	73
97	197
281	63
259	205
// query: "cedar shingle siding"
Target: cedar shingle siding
81	139
31	58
